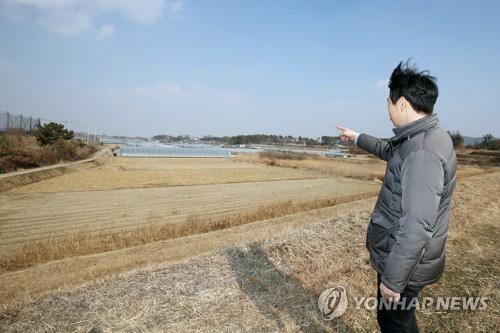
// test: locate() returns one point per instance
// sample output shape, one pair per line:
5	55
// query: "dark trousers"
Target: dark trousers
398	317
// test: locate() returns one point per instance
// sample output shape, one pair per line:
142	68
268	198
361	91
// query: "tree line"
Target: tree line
488	142
49	133
252	139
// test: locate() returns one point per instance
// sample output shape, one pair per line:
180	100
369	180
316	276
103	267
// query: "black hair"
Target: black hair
418	88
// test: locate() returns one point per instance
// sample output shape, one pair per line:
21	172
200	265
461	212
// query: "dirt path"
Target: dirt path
16	179
99	154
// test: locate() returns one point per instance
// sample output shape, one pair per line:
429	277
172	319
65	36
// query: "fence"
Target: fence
10	122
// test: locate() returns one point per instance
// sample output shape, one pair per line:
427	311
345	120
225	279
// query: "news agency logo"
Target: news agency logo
333	302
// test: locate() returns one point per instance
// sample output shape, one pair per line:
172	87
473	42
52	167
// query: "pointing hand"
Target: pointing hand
347	134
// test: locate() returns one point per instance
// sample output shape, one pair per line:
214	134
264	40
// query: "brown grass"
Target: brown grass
270	285
479	157
91	242
364	167
36	253
19	151
472	258
355	167
465	171
273	285
129	173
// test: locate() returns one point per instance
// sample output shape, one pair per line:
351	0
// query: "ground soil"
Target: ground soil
263	276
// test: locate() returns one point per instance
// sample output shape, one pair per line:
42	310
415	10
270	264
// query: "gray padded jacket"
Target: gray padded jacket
409	224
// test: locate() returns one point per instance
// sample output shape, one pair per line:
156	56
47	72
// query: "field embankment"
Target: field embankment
19	151
267	275
479	157
16	179
277	232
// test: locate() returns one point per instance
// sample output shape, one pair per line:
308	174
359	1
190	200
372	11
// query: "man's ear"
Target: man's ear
402	104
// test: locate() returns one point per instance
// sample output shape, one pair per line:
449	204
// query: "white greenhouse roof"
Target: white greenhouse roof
172	152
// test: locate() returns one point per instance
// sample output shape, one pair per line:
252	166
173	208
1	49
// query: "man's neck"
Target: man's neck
412	116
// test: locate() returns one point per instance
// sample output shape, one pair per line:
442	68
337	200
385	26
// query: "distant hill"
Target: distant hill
469	140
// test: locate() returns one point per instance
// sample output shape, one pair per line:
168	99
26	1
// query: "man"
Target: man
407	233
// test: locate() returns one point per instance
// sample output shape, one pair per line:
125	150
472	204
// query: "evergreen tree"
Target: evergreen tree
50	132
457	139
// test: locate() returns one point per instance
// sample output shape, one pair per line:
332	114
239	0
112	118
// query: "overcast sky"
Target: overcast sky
228	67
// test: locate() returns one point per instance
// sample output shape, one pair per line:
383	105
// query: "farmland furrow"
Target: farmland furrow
26	218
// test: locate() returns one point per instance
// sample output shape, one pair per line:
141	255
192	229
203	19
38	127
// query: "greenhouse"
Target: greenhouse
172	152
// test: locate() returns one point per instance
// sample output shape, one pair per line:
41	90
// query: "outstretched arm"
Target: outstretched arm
366	142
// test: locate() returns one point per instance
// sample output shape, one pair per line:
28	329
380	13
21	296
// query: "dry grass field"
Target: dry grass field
126	202
277	232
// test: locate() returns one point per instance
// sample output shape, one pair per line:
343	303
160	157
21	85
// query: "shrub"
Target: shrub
18	151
